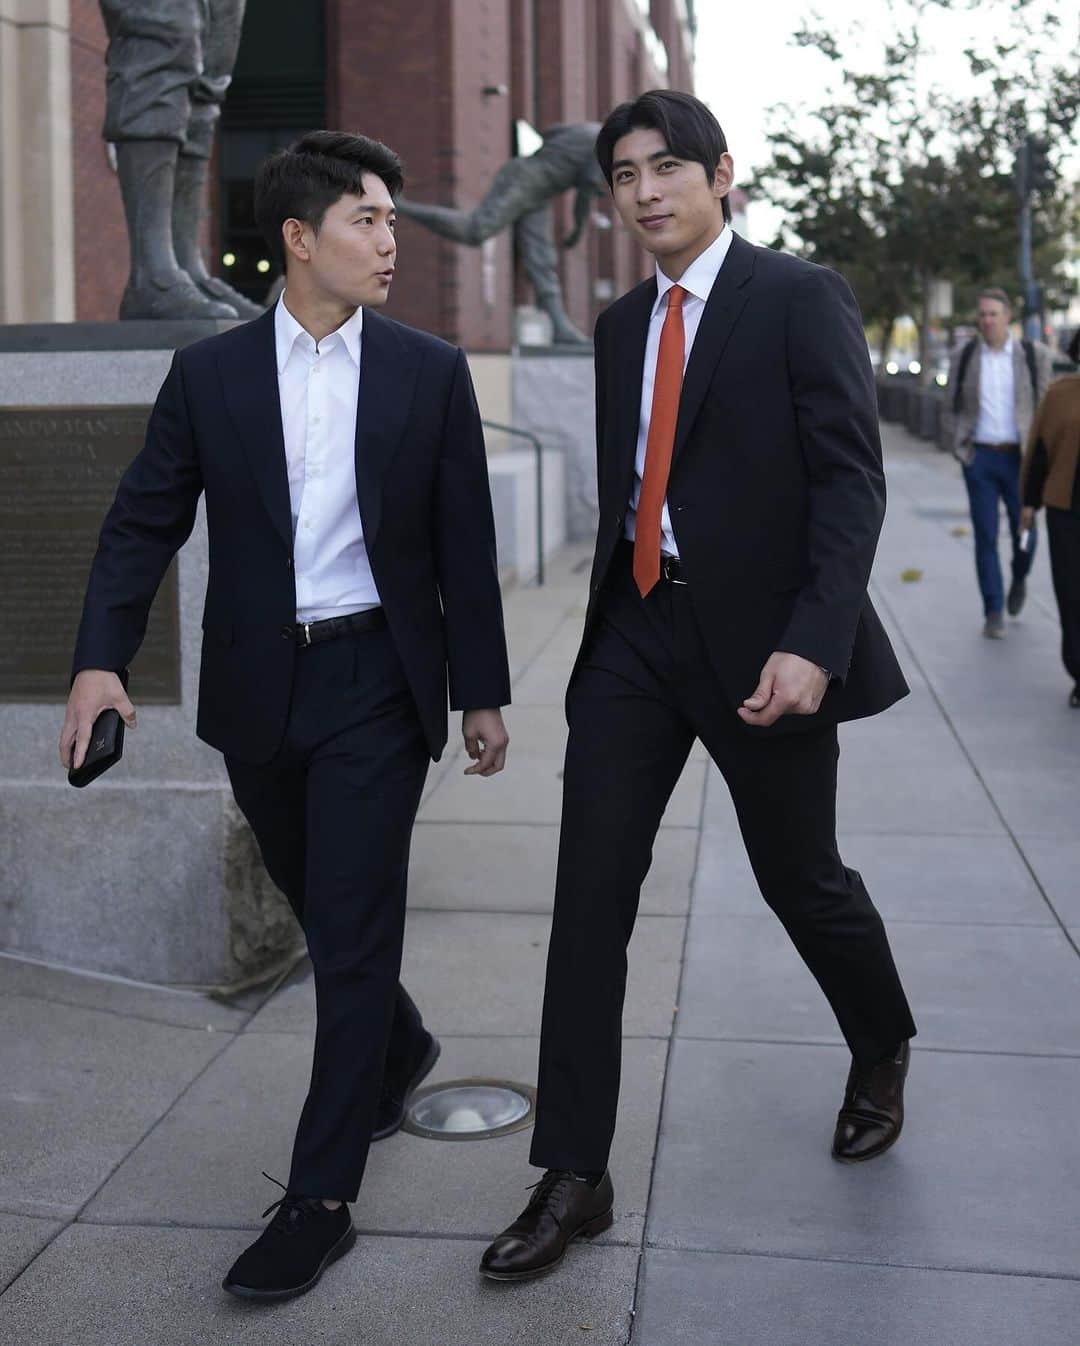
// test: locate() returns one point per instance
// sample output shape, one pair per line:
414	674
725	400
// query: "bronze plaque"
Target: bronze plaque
59	469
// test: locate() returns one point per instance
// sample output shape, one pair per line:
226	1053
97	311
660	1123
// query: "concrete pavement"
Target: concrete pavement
134	1122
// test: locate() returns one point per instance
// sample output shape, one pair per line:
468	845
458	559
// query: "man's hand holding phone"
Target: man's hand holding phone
94	690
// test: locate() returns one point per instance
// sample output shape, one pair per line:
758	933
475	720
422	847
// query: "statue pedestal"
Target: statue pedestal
553	396
150	872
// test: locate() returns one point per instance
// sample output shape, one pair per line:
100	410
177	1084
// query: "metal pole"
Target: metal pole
538	450
1032	299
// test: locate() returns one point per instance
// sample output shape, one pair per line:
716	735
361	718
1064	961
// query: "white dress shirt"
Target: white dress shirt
319	387
697	280
997	396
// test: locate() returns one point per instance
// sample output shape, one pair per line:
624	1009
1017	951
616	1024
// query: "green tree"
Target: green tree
897	181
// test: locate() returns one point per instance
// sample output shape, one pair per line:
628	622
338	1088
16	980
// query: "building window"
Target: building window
278	93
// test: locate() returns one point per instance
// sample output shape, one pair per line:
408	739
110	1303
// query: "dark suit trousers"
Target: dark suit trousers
333	814
1063	529
642	693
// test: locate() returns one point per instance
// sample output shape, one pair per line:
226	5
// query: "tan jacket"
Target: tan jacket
1048	475
960	424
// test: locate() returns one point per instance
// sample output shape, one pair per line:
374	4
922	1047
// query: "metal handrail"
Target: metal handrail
538	449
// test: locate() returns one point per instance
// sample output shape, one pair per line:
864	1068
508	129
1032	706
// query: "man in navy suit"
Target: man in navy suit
741	495
352	574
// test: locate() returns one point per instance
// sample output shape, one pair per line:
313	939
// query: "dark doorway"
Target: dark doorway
278	92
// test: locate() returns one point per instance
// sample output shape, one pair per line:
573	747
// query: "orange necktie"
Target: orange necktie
667	387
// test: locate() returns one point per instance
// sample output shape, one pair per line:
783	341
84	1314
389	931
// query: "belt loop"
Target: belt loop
307	633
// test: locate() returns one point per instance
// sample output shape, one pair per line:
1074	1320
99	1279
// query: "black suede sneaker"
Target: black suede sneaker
395	1092
293	1251
1015	601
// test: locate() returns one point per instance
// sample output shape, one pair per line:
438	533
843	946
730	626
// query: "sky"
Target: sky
746	63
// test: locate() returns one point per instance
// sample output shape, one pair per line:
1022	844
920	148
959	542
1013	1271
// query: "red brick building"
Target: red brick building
443	82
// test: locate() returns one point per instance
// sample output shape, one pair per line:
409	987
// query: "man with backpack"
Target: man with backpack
995	384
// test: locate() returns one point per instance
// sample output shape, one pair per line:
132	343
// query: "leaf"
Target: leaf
912	575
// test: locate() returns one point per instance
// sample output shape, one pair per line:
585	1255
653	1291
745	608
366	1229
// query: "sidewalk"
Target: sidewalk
134	1122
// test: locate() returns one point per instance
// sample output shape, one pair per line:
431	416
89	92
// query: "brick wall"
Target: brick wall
482	290
101	246
413	75
564	53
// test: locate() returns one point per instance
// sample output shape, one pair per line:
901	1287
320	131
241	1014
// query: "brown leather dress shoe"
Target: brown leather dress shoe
872	1114
561	1209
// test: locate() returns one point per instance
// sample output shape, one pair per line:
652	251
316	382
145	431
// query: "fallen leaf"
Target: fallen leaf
912	575
961	530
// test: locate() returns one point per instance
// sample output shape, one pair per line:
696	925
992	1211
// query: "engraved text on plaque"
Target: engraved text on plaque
59	468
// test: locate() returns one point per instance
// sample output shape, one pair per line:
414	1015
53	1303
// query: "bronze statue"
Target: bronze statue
169	64
520	195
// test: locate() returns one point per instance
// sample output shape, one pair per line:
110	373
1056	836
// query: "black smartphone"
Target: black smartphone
105	749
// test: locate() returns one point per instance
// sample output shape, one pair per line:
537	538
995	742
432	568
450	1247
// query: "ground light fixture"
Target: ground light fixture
471	1109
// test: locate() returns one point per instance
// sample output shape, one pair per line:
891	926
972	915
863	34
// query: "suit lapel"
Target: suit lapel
248	367
722	310
630	339
973	382
388	374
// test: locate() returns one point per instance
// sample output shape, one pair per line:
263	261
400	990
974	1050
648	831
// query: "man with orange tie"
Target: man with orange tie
728	603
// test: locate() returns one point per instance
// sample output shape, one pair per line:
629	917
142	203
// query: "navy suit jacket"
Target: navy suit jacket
424	497
776	492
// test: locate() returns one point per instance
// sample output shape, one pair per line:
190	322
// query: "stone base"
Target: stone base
150	872
513	479
169	334
158	883
553	396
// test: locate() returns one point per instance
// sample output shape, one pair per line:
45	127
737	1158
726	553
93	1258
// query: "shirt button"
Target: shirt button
315	420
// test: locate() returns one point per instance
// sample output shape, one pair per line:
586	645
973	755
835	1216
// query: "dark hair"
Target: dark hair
305	180
689	129
1073	349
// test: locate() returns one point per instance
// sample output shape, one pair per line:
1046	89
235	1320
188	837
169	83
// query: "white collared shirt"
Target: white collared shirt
319	387
697	280
997	396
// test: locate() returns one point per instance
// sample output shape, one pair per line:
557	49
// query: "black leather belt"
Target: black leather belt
997	448
331	628
672	570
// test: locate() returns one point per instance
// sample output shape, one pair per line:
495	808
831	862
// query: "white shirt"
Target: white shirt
319	387
997	396
697	280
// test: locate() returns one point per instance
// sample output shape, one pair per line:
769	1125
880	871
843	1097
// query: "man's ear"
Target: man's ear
724	177
294	238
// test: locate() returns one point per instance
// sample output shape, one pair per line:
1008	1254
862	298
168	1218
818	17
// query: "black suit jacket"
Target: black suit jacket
422	486
776	493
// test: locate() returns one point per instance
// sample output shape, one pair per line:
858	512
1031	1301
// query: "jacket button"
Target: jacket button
288	563
618	520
